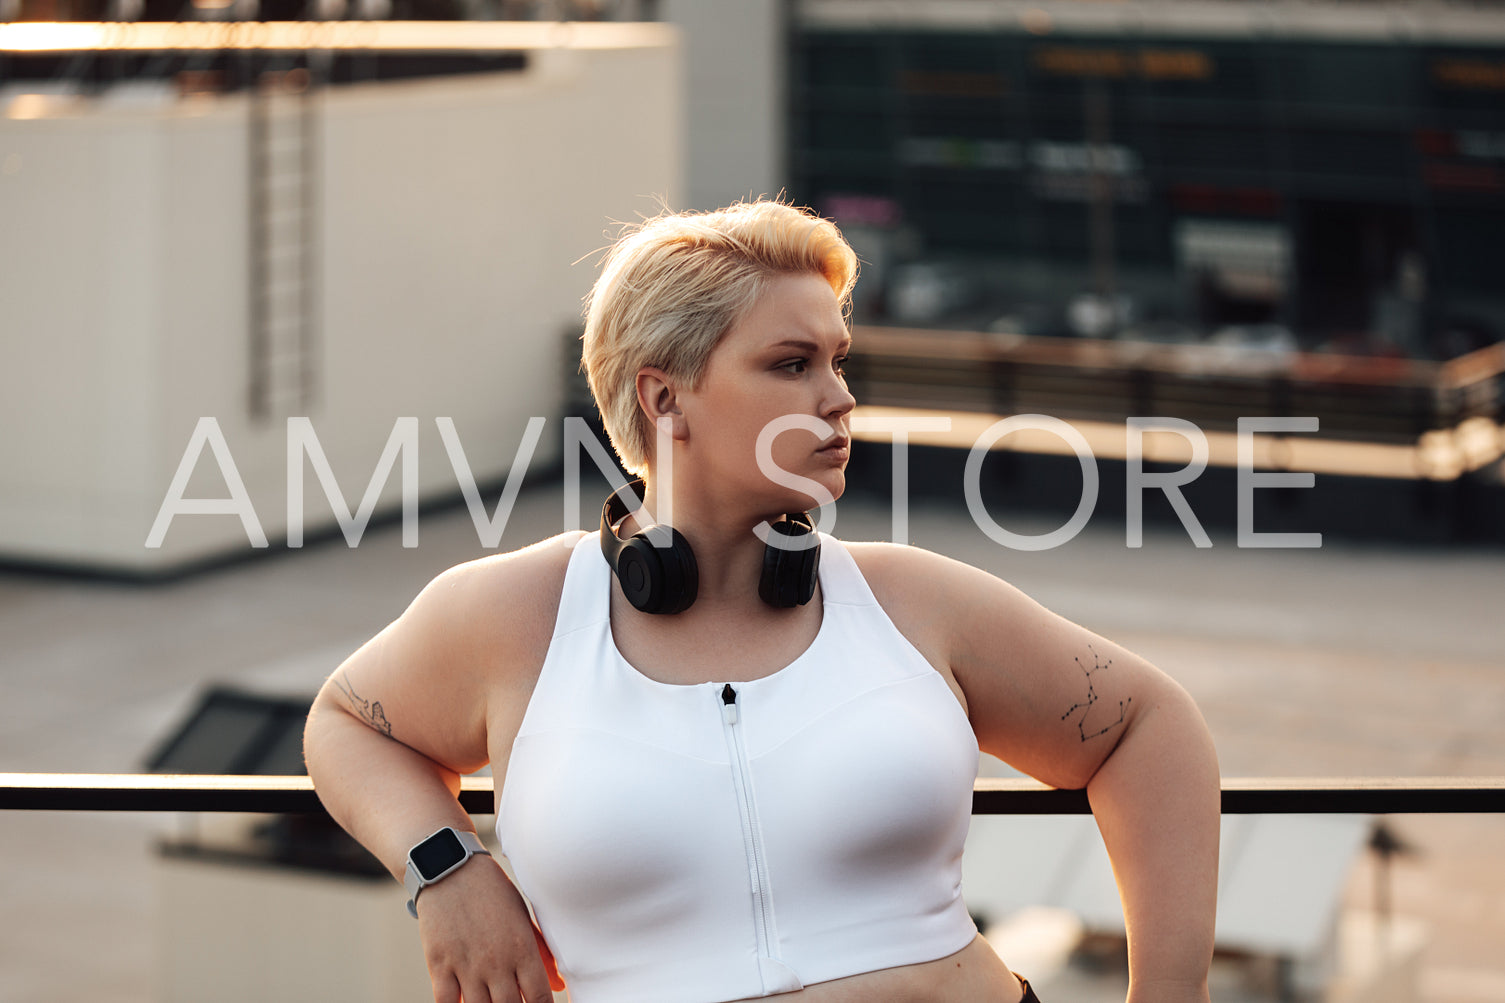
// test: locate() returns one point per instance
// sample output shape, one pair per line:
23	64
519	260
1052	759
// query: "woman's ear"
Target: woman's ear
658	398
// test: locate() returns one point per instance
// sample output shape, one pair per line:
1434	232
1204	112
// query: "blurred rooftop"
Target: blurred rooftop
1352	659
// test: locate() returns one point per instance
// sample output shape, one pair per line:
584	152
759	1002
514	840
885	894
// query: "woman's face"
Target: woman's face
783	361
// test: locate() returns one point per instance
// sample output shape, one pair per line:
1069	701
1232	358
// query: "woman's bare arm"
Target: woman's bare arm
1156	798
1076	710
397	724
382	792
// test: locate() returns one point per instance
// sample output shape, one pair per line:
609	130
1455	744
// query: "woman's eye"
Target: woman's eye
798	367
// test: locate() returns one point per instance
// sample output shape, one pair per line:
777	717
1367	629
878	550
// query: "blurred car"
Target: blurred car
1091	315
924	292
1253	348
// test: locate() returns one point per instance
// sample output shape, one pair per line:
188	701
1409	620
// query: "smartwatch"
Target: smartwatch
436	858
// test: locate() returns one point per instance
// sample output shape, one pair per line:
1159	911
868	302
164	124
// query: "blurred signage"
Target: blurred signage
1464	177
1074	158
1089	187
1210	200
862	210
957	152
1084	172
1463	159
1046	157
947	83
1063	172
1470	74
1148	64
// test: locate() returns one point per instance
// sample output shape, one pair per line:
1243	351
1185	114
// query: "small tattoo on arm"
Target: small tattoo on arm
1086	705
369	710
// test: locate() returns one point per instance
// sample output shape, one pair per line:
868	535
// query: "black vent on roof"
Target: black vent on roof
238	733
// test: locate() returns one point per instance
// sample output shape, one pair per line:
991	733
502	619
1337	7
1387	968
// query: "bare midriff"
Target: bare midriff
975	974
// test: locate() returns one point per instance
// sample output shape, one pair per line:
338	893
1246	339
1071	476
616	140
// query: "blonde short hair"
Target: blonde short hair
671	287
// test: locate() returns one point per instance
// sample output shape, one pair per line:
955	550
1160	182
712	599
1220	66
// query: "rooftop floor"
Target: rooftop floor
1352	659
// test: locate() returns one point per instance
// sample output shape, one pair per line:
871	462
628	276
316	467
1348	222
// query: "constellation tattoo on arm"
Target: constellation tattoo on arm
1086	705
369	710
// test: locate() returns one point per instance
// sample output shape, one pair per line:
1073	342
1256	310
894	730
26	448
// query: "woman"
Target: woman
744	768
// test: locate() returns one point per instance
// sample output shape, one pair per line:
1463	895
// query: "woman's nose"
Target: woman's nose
839	399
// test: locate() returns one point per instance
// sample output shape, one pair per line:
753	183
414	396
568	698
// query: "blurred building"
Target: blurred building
1299	203
219	238
1321	176
1333	171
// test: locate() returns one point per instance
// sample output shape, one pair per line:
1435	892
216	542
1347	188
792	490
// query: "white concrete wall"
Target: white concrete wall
452	210
735	70
280	934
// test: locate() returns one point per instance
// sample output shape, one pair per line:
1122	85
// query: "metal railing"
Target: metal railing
1356	398
990	796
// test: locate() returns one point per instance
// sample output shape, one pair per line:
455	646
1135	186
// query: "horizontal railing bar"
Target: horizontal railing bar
336	36
151	792
1171	360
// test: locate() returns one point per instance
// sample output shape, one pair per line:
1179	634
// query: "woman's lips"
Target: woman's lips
838	449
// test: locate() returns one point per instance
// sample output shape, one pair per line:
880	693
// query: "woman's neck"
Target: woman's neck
728	553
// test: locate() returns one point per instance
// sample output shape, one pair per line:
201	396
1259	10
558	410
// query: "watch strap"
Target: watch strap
414	882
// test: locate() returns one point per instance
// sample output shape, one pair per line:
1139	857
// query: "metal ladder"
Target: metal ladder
283	210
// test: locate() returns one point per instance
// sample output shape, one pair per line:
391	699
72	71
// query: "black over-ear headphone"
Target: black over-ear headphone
665	579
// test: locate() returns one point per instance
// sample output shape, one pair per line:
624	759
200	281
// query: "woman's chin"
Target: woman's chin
799	490
835	483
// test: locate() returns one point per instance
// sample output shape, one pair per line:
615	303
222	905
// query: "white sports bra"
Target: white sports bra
710	842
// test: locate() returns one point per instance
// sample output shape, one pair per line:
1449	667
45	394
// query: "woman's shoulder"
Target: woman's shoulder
516	569
901	569
910	583
504	603
919	586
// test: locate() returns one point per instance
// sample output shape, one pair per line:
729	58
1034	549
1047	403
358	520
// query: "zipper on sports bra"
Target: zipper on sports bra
752	837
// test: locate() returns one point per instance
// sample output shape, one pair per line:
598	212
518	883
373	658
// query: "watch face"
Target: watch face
437	854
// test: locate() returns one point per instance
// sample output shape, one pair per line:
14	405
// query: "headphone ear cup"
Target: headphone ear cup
789	575
680	574
807	574
638	570
653	579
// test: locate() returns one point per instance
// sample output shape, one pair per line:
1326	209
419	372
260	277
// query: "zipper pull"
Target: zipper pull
728	704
